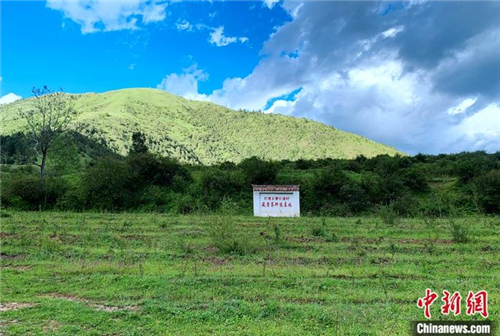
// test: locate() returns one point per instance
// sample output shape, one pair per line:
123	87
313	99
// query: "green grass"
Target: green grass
201	132
150	274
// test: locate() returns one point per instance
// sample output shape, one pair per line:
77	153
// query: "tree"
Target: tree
138	143
48	118
259	171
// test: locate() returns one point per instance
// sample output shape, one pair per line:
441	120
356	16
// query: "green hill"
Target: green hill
200	132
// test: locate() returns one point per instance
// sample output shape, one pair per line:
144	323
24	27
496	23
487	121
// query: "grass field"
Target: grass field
149	274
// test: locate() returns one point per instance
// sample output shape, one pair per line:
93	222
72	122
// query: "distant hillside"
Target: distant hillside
201	132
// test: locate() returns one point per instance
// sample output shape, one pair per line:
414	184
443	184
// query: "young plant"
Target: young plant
459	233
388	215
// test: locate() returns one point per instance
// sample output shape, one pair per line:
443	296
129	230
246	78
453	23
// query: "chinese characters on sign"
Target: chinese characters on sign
276	200
477	303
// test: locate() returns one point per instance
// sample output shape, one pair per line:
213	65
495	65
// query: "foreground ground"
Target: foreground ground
147	274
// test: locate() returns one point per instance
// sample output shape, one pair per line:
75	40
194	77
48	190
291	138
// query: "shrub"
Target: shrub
108	185
459	233
259	171
157	170
214	185
332	238
405	204
470	165
354	197
388	215
319	229
414	178
487	187
228	238
28	192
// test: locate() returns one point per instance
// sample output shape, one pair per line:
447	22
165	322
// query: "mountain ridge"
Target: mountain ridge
201	132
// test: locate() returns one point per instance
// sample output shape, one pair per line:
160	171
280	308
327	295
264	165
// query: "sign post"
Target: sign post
276	200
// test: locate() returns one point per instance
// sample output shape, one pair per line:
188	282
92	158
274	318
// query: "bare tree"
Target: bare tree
48	118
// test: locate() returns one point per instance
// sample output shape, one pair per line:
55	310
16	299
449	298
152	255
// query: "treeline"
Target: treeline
406	185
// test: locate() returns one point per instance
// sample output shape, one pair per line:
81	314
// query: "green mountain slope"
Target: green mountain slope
201	132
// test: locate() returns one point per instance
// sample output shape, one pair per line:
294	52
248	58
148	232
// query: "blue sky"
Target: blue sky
44	46
421	76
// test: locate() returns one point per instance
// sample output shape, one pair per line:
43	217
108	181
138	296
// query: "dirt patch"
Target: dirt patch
90	303
17	267
210	250
15	306
423	241
141	237
114	308
250	224
305	239
65	297
6	256
53	325
218	261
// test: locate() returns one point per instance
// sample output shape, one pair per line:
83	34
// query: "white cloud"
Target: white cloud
101	15
464	105
184	25
281	106
391	32
185	84
360	78
218	38
480	131
270	3
9	98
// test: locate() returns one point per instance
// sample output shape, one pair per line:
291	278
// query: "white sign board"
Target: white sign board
276	201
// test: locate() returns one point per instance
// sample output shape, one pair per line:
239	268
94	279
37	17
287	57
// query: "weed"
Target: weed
388	215
429	247
332	238
393	248
228	238
185	246
277	233
4	214
459	233
319	230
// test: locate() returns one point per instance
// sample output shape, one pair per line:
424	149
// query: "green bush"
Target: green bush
487	187
157	170
214	185
388	215
415	179
107	185
259	171
28	192
229	238
459	232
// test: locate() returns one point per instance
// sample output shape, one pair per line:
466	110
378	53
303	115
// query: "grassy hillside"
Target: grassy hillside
201	132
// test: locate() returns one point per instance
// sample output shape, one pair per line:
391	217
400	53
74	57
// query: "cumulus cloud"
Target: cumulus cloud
218	38
270	3
101	15
464	105
9	98
185	84
419	76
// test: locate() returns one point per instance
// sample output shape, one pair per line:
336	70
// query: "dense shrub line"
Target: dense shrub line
388	186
